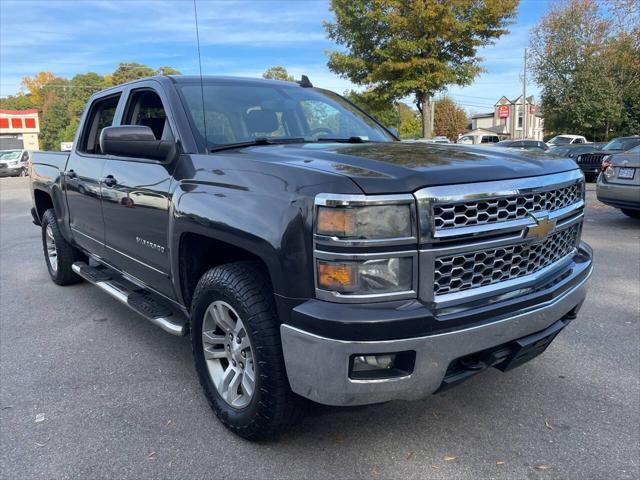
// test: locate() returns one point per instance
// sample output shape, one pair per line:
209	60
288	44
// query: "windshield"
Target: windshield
236	113
560	140
623	144
10	155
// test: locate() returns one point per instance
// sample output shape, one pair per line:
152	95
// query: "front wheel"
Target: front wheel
235	337
631	213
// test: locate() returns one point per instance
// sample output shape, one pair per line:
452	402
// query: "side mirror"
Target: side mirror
134	141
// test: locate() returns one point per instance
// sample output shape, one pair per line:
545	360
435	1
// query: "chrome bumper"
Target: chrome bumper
317	367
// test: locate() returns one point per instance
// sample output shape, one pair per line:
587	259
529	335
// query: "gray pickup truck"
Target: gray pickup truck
306	251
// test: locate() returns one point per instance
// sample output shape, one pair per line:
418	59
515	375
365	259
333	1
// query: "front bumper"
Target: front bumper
11	171
318	366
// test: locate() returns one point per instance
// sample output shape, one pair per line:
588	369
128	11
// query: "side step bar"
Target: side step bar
139	300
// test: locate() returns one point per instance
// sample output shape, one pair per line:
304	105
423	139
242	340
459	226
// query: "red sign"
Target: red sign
533	109
503	111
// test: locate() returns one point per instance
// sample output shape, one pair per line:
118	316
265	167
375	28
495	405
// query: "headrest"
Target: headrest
262	121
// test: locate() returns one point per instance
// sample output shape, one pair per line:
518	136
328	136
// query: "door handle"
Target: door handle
70	174
110	181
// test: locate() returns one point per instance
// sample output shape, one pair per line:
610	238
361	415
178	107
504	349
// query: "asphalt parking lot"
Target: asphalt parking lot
91	390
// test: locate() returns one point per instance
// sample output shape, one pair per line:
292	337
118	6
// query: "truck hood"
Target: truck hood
405	167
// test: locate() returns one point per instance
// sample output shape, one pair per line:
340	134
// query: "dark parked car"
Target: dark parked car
619	183
572	151
533	145
591	162
305	250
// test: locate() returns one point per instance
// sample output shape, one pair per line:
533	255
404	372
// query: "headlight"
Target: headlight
366	277
365	247
365	222
579	158
14	163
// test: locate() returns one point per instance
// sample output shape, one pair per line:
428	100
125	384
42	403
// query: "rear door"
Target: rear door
136	195
83	174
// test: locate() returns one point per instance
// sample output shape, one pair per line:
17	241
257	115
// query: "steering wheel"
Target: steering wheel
316	131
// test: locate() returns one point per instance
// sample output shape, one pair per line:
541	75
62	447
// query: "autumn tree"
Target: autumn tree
587	62
414	48
450	120
278	73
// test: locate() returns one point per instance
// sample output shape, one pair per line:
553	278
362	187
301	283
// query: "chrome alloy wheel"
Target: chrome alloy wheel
52	252
228	353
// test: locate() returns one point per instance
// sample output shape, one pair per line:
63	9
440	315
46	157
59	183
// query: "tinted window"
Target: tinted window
100	115
145	108
234	113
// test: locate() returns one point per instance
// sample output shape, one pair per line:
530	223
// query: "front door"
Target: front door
83	175
136	198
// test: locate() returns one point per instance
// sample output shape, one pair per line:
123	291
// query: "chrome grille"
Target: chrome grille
455	273
469	213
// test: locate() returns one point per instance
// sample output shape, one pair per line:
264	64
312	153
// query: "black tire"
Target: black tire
631	213
24	173
65	252
247	288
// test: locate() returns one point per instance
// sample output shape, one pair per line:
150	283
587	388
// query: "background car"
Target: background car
14	163
619	183
535	145
567	140
574	150
591	162
478	139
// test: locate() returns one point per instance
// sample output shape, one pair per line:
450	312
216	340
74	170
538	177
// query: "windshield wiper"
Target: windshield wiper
343	140
257	141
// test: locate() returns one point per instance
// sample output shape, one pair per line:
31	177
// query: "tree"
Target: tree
587	62
127	72
168	71
278	73
381	109
34	85
450	119
402	48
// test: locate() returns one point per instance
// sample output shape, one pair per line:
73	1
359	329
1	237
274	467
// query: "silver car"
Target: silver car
619	183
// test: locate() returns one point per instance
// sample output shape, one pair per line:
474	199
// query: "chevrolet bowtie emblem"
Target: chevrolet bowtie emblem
542	229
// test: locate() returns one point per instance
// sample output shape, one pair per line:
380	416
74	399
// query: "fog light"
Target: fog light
379	366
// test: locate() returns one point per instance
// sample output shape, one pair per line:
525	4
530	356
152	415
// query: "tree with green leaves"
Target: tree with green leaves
586	57
126	72
278	73
416	48
450	120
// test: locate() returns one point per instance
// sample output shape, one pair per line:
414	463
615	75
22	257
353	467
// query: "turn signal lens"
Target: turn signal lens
384	275
336	276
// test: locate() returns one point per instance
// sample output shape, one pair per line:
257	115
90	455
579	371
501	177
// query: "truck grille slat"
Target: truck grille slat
460	272
456	215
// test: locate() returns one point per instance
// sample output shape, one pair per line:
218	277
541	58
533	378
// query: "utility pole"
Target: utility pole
524	96
433	112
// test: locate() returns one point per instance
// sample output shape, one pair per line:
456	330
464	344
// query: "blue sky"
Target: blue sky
237	38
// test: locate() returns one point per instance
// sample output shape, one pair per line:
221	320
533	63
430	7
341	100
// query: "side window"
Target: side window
578	140
489	139
145	108
100	115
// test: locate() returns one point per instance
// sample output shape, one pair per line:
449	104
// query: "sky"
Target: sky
240	38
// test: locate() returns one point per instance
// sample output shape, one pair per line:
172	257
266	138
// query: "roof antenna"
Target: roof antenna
304	81
204	116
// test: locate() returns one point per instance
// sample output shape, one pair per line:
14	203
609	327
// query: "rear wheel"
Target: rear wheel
59	254
631	213
235	337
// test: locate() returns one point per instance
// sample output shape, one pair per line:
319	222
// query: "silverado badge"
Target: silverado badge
543	227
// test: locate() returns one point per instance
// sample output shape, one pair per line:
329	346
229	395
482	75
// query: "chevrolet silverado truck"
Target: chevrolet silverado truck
307	252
